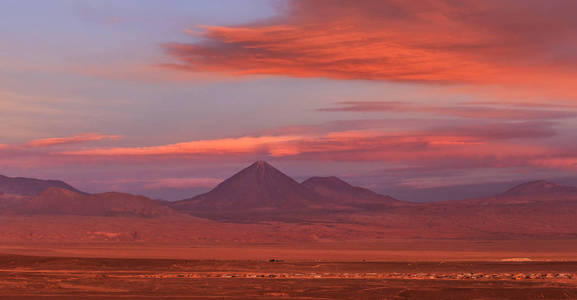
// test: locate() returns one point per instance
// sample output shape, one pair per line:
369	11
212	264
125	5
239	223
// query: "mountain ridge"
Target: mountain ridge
346	194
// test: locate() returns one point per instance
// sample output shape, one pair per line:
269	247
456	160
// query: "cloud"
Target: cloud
239	145
82	138
564	163
490	42
490	144
463	111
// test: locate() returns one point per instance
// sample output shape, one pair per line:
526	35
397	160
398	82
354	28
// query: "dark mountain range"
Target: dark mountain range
320	207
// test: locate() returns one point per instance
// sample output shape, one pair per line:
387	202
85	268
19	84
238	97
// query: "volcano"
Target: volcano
259	187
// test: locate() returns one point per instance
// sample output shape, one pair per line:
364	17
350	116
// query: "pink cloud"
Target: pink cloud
246	144
528	43
493	145
82	138
449	145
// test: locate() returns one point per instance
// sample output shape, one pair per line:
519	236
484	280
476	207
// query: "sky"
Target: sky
422	100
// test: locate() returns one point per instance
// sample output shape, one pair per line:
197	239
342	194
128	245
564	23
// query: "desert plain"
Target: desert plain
395	269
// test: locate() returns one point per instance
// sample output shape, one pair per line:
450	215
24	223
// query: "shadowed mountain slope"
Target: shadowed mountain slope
345	194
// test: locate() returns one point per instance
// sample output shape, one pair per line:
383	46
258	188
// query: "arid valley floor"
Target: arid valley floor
397	269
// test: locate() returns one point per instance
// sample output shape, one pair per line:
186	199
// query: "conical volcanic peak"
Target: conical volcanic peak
539	187
261	171
260	186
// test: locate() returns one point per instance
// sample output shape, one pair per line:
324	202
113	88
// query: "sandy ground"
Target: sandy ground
387	250
42	277
390	269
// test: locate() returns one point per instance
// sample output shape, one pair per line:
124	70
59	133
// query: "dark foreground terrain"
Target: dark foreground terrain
34	277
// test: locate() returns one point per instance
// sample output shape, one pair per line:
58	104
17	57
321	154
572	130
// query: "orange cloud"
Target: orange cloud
492	144
567	163
290	145
202	147
530	42
454	145
82	138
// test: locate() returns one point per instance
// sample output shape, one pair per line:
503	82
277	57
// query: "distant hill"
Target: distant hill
526	193
17	190
347	195
540	188
35	196
61	201
29	186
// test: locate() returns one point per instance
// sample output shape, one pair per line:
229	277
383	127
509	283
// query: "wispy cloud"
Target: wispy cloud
459	110
420	154
238	145
493	42
487	145
82	138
